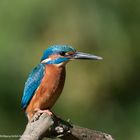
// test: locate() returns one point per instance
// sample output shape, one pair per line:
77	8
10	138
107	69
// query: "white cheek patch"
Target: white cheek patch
46	60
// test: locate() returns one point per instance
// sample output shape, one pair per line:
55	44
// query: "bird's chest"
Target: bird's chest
54	79
51	86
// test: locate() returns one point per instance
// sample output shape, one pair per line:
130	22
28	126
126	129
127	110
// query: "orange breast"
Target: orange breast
49	90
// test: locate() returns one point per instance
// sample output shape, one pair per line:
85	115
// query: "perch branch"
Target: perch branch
43	125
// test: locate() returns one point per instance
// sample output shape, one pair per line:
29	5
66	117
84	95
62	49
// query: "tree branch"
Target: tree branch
43	125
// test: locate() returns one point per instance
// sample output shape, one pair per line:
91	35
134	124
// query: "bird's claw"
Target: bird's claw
36	116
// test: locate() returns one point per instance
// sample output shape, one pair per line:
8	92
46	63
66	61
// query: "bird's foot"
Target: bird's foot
44	111
35	117
38	112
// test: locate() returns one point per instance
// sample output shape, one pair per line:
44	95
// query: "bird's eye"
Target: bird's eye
62	53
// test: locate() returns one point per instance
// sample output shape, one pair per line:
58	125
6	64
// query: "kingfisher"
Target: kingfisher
46	81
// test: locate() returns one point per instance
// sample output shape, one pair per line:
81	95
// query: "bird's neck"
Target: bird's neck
52	69
56	66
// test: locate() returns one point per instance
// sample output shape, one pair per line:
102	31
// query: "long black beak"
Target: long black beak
80	55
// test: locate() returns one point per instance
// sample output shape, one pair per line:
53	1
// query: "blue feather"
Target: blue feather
57	61
32	84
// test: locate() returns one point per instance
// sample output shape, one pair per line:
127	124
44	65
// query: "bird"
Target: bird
46	81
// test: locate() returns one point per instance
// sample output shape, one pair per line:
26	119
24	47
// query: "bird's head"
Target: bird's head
61	54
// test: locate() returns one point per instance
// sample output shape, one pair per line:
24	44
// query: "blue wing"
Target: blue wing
32	84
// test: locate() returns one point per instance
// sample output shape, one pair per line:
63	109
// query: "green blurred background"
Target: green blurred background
102	95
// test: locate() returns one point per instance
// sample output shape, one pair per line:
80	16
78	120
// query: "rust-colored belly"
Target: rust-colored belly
49	90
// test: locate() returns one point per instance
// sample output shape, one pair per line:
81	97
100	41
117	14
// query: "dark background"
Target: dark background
102	95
